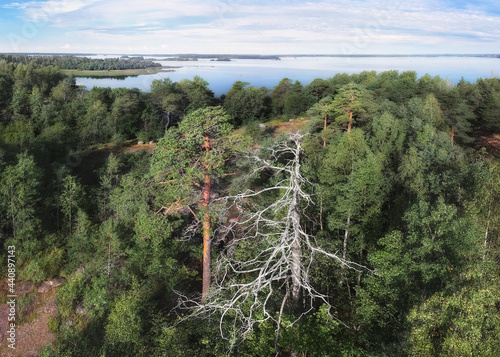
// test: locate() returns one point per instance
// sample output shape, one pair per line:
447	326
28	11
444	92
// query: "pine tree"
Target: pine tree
189	159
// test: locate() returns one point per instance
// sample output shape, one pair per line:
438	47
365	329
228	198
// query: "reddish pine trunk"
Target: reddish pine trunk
206	229
350	115
206	239
350	122
324	129
452	135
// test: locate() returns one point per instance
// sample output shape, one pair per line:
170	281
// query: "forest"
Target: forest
354	216
82	63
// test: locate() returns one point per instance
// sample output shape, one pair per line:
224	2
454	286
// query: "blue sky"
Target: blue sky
244	26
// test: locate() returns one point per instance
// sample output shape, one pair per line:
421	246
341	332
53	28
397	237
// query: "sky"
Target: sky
345	27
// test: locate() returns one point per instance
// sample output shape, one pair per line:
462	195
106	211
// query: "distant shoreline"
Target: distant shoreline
254	56
117	73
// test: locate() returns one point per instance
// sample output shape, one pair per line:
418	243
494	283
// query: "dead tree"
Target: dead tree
246	290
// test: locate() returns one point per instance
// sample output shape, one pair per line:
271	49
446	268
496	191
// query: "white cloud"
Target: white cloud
370	26
51	9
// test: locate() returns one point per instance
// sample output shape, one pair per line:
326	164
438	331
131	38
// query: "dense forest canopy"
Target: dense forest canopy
354	216
82	63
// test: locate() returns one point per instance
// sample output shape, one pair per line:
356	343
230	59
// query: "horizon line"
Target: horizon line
253	54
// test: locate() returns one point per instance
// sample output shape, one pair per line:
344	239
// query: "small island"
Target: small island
90	67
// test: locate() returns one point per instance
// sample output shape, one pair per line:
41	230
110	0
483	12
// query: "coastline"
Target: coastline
119	73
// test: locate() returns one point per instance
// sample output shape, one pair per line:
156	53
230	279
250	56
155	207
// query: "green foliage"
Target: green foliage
19	134
95	126
173	158
82	241
152	126
295	102
24	307
278	96
70	294
323	111
246	105
96	299
70	199
43	265
198	94
464	322
399	88
154	247
489	107
82	63
125	113
388	136
349	105
19	196
402	193
124	326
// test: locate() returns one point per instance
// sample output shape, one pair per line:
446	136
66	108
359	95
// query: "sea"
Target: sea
221	75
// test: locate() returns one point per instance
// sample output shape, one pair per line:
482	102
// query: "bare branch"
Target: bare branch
245	291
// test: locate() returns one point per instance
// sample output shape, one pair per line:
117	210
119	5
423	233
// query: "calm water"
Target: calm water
268	73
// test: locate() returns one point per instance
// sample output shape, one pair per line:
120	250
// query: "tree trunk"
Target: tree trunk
321	212
344	252
359	273
168	121
109	259
350	115
296	253
452	135
206	229
296	250
346	235
295	215
324	129
206	239
350	122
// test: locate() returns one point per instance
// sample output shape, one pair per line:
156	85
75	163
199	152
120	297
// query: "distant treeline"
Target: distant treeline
82	63
191	56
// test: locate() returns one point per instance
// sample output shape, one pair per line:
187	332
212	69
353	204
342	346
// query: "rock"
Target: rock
140	143
151	142
291	119
49	284
80	309
24	287
262	126
56	282
44	288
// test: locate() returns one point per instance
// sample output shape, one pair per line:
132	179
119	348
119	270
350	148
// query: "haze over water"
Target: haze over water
267	73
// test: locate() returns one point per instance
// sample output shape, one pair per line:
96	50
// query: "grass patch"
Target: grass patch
290	126
25	308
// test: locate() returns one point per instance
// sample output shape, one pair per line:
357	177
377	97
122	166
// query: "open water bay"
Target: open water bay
267	73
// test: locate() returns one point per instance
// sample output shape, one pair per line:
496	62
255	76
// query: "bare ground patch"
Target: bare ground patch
33	335
489	141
